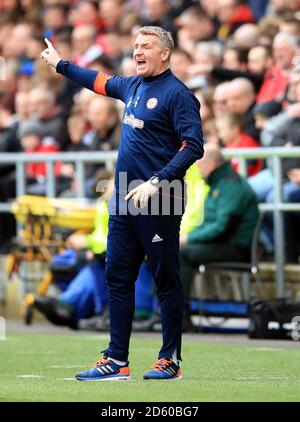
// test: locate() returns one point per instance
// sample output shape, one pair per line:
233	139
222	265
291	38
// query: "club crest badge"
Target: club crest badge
151	103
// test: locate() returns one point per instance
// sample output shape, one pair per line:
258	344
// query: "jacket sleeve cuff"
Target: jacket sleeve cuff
61	66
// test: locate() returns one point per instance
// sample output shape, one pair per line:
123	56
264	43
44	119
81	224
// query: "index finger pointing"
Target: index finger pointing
49	44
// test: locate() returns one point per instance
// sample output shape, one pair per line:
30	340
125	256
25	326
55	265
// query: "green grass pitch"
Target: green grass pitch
41	368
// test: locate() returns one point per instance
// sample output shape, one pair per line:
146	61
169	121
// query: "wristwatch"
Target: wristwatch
154	180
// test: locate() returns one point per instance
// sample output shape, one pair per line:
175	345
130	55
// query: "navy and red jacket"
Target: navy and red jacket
161	126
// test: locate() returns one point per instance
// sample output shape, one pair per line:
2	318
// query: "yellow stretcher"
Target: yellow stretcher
66	213
45	222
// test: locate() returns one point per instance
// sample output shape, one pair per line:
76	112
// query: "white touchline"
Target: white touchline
30	376
66	366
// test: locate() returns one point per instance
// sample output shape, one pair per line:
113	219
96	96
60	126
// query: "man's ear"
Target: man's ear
165	55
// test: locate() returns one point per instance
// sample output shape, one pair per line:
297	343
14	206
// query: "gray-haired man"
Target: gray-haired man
161	137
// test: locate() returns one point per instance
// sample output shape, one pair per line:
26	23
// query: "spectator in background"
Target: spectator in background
235	57
76	131
33	47
105	125
84	44
211	133
55	19
114	49
220	99
279	7
230	216
67	89
15	45
240	101
208	54
64	44
205	97
181	62
42	107
158	13
230	131
277	77
259	60
31	138
86	13
10	141
81	105
282	130
236	65
246	36
104	134
31	9
128	66
263	112
194	25
210	7
231	15
268	27
111	12
290	25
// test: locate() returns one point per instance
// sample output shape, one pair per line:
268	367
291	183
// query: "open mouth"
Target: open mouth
140	63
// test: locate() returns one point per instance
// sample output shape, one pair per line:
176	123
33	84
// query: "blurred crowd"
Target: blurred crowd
238	56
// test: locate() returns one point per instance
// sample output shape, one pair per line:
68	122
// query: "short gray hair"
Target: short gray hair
213	48
289	39
165	37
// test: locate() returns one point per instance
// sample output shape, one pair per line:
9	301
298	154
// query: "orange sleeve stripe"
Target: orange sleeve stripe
183	145
100	82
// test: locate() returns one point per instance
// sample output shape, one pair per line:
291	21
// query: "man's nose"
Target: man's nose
137	51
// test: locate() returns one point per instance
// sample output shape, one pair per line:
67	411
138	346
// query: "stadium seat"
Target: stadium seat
238	273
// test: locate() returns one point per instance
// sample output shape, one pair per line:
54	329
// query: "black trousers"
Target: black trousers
130	238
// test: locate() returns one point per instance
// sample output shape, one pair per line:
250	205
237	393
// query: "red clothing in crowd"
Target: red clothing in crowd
274	85
241	15
35	170
245	141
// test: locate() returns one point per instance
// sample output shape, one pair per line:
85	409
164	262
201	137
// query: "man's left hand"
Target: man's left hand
141	194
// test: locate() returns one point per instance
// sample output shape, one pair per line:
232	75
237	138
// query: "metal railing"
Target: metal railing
79	160
109	158
277	207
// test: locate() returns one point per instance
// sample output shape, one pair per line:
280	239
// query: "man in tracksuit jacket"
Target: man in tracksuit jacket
161	137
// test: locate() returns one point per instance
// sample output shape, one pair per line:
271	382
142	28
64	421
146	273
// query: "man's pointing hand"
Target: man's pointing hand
50	55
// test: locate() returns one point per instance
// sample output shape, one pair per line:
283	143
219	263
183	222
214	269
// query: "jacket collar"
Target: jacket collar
219	173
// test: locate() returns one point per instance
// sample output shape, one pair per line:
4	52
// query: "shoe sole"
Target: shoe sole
164	379
104	379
